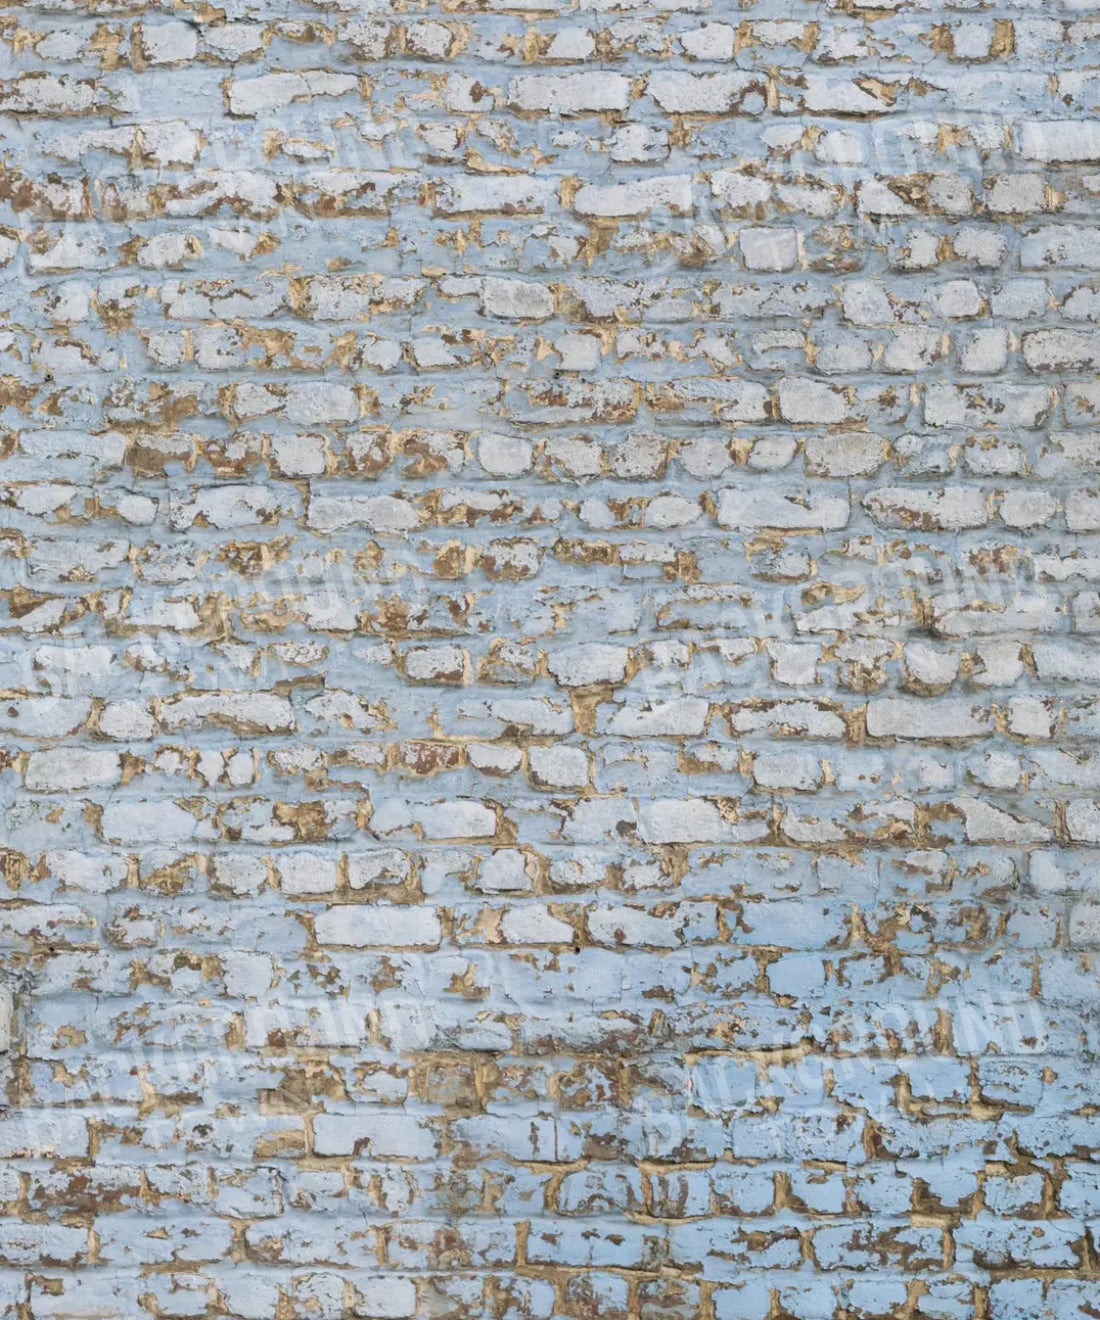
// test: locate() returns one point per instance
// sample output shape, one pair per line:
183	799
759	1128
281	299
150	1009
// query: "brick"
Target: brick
634	199
903	717
570	93
379	926
1059	140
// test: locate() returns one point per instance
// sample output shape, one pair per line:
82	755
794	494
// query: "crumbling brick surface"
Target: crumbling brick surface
549	588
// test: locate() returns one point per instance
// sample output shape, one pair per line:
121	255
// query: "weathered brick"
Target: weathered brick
546	645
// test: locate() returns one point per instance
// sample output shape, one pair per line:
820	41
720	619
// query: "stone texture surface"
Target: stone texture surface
548	636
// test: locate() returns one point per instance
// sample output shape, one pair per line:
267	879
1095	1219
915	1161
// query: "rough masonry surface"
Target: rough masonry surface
550	714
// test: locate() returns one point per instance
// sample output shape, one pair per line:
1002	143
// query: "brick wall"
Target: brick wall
548	643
